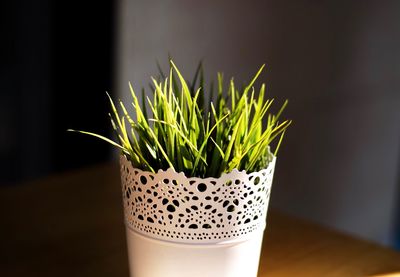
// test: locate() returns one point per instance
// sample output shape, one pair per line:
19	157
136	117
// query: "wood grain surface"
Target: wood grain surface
71	225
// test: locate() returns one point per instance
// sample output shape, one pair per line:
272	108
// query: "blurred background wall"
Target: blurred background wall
55	66
338	62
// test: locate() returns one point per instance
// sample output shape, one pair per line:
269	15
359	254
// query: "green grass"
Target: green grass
178	129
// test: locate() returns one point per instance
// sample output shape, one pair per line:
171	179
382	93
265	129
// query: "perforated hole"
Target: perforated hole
202	187
171	208
143	180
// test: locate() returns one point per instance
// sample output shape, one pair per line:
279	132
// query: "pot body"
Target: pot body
178	226
150	257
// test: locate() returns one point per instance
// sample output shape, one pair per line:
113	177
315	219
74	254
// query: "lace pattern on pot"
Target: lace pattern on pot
169	206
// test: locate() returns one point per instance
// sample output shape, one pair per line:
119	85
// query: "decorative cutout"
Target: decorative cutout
169	206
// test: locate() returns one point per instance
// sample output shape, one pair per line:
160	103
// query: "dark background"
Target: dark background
56	64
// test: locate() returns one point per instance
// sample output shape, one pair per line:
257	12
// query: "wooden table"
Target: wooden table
72	225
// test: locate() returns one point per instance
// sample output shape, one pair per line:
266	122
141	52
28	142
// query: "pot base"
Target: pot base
150	257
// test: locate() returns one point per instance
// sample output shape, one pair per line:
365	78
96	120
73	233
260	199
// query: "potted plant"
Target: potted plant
196	175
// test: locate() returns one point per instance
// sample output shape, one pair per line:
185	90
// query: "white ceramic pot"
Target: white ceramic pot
180	227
